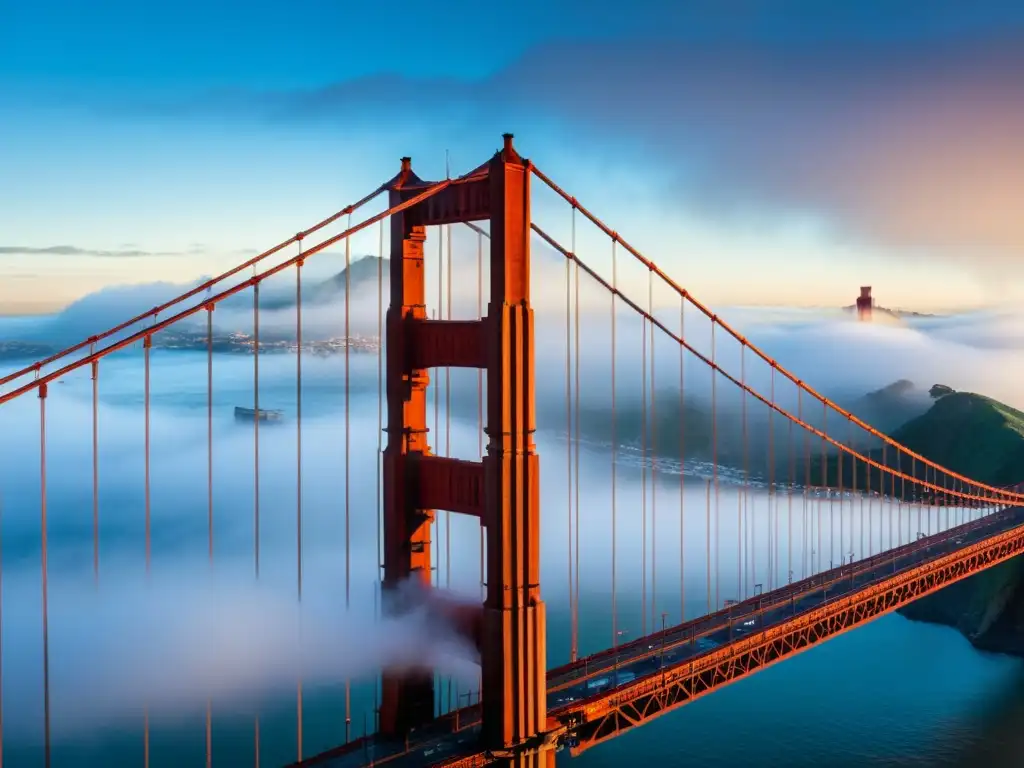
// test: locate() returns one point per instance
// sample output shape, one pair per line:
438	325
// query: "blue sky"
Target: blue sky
807	146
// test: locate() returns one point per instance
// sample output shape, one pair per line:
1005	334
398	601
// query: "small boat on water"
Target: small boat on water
263	414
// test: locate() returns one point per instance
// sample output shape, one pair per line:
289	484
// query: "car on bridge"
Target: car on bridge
602	684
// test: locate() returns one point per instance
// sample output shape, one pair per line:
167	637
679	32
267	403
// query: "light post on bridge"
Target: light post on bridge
728	605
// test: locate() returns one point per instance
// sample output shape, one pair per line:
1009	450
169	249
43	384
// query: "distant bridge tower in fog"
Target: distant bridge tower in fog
865	304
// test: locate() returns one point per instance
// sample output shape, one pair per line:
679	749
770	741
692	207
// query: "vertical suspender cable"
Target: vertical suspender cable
774	496
615	615
643	480
654	463
926	504
348	451
147	343
298	484
256	471
209	431
916	497
1	635
773	538
209	492
855	490
682	463
448	436
44	568
740	532
931	500
752	525
448	417
881	501
960	504
380	425
480	385
807	484
902	496
707	542
95	466
869	485
576	440
480	413
436	448
714	454
256	428
714	458
824	482
573	648
789	503
840	460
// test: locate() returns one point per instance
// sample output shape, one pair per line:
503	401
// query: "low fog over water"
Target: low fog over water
198	628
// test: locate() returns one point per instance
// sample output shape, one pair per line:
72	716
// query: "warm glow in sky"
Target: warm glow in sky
782	152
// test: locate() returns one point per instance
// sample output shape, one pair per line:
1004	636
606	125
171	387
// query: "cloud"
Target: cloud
72	250
910	145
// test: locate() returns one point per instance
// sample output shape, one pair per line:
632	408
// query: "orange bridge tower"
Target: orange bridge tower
865	304
502	489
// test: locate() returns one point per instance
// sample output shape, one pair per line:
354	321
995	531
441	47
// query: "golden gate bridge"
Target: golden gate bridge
921	526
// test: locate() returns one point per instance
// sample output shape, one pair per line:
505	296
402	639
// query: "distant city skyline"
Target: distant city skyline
777	153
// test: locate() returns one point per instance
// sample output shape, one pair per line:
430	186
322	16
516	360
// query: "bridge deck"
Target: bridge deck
661	671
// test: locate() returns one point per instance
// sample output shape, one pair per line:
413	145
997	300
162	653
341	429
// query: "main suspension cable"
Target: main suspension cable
214	299
720	371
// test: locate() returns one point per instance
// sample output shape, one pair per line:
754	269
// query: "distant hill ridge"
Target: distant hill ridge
361	272
898	313
965	432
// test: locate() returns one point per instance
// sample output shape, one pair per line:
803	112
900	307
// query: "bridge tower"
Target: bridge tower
502	489
865	304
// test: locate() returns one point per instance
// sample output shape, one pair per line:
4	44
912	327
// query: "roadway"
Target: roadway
570	686
595	675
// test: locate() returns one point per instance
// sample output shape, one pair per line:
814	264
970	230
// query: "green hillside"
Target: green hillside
967	433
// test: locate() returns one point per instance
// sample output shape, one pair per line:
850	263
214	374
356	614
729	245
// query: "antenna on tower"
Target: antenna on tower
447	167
